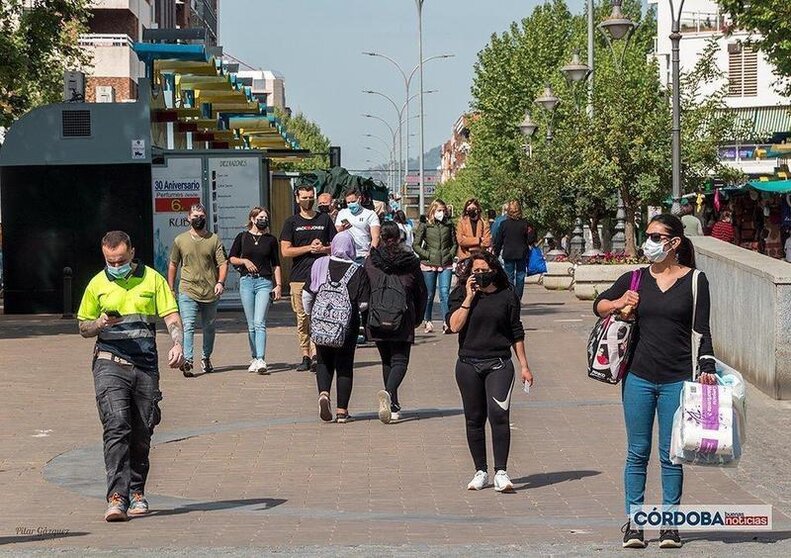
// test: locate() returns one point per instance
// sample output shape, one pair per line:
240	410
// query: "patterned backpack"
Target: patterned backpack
611	343
332	311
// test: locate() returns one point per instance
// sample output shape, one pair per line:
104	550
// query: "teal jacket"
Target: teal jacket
435	243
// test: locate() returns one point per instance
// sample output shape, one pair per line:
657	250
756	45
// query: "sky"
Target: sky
317	45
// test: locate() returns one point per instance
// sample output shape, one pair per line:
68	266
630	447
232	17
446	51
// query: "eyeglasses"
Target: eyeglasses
657	237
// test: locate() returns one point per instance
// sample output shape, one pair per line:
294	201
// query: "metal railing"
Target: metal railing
105	39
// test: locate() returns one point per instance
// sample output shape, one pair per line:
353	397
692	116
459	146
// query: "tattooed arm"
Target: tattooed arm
176	330
91	328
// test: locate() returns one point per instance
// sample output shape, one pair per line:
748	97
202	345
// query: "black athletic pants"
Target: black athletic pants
486	386
330	362
395	360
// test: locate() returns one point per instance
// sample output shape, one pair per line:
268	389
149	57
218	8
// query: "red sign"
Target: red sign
174	205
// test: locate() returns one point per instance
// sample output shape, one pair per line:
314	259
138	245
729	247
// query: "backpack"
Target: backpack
332	311
388	305
610	345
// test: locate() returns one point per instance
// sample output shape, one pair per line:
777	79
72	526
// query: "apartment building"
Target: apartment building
268	86
116	24
455	150
752	90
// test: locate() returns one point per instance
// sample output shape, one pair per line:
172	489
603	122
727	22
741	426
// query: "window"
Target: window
742	70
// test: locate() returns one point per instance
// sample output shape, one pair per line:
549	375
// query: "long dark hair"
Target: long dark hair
464	269
685	253
391	237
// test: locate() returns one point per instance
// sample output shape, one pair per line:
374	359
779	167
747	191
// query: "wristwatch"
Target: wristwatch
221	283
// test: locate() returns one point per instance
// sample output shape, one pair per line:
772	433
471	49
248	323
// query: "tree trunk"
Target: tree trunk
595	218
630	232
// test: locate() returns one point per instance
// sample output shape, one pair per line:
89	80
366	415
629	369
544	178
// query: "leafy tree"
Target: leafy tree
37	44
772	20
310	137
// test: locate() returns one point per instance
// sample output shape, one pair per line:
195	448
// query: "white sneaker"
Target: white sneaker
502	483
479	481
395	416
385	414
253	368
262	369
429	327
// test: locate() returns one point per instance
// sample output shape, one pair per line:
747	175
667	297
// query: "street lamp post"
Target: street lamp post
675	39
422	202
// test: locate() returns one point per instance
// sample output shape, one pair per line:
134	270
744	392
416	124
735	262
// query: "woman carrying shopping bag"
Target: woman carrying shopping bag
484	311
514	239
662	360
435	245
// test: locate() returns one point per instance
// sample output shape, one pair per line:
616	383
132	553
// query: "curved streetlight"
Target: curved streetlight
617	25
575	71
528	129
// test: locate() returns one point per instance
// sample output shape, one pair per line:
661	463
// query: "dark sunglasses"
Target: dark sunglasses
657	237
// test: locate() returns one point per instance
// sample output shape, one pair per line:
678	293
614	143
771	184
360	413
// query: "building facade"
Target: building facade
116	25
752	90
456	149
268	86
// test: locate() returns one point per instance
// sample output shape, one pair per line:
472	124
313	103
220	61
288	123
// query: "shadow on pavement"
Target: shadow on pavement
769	537
540	480
220	505
38	538
412	415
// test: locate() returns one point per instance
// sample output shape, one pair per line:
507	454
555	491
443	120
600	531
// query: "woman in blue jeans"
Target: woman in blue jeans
514	238
435	245
254	253
662	360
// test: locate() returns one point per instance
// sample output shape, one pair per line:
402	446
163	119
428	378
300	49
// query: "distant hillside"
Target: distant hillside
431	160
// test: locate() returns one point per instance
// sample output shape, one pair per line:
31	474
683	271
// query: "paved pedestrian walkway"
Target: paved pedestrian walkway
242	463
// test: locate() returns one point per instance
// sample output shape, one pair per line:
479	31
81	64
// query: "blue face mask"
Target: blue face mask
354	207
121	271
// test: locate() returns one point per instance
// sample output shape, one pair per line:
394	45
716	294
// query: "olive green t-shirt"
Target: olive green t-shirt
199	258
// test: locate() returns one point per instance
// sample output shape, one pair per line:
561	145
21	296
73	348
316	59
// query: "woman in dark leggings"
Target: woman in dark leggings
340	361
484	311
393	259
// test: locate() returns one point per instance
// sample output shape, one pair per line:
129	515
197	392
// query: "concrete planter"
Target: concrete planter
558	276
592	280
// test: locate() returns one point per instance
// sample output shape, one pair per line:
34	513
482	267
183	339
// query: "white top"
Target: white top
361	228
788	249
410	236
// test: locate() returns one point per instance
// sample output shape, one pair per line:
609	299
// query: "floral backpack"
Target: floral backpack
610	345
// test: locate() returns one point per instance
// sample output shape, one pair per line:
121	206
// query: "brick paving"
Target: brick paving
242	463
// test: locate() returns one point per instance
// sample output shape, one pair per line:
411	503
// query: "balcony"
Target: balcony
112	55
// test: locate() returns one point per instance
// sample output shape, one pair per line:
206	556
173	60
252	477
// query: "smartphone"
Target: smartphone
113	313
527	387
272	296
346	223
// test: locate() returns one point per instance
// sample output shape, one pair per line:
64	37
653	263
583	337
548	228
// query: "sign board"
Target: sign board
175	187
138	149
428	178
234	189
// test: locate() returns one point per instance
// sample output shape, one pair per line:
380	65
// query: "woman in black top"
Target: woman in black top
664	358
514	239
394	259
484	311
254	252
340	361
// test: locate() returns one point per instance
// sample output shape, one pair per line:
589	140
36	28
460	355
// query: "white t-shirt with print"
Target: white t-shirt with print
788	249
361	228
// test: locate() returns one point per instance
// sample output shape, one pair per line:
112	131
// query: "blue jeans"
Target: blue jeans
642	400
189	309
254	292
516	271
430	277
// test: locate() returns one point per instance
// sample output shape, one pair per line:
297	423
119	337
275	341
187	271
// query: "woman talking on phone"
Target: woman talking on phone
662	361
254	253
484	311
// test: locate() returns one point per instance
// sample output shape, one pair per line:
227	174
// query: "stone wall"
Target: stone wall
751	313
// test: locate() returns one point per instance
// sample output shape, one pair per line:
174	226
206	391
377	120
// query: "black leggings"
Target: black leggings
486	387
336	361
395	360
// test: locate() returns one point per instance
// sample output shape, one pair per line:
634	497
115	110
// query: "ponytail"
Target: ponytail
686	252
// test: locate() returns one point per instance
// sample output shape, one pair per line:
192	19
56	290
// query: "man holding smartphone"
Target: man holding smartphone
119	308
362	223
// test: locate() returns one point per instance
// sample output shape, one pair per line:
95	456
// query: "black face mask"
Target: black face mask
198	223
485	278
324	209
262	223
473	213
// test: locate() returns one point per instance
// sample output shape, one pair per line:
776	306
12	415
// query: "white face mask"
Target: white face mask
654	251
439	215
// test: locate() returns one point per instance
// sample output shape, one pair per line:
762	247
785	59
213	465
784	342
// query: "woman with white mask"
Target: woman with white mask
435	245
662	359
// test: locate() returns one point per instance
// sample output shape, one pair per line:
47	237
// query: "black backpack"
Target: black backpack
388	304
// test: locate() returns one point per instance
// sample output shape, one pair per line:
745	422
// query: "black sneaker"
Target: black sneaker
632	538
668	538
206	365
186	369
314	362
304	365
